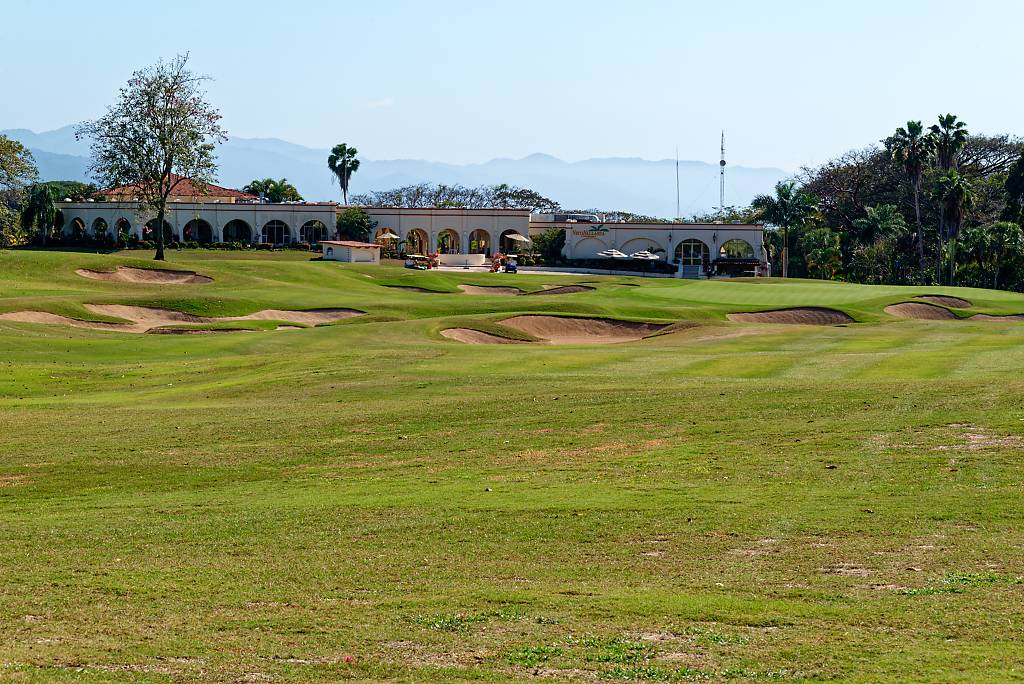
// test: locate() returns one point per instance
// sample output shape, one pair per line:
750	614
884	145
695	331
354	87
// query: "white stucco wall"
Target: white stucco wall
432	222
256	216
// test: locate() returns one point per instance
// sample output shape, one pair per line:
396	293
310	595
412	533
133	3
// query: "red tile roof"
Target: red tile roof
184	188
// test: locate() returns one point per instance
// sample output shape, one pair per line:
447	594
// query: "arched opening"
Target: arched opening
276	232
692	253
736	249
480	242
588	248
313	232
641	245
76	229
448	242
99	228
416	241
237	230
329	253
197	230
512	242
123	228
149	231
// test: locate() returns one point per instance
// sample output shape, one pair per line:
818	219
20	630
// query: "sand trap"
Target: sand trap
920	311
1010	318
945	300
127	274
810	315
54	319
470	336
563	289
491	290
146	319
569	330
412	288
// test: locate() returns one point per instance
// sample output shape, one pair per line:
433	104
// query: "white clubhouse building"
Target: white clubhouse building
463	237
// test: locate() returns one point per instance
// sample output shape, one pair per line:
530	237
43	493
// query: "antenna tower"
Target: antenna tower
721	178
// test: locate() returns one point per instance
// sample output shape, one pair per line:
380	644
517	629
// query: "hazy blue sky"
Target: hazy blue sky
791	81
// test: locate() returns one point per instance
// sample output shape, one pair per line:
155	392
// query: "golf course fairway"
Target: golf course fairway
833	492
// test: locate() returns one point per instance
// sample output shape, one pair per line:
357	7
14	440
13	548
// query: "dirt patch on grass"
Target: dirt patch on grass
561	289
920	311
974	438
491	290
12	480
147	276
146	319
809	315
569	330
470	336
946	301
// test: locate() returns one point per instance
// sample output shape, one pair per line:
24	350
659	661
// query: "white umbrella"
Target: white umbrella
612	254
518	238
388	235
645	255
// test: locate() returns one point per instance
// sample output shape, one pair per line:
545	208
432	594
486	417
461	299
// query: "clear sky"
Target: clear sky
792	82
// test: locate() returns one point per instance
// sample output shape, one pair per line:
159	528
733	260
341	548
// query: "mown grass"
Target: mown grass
367	500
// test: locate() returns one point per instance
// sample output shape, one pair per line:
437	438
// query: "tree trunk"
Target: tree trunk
785	252
952	261
160	236
920	229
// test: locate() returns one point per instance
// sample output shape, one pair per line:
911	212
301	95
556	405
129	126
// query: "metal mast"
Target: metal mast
721	178
677	183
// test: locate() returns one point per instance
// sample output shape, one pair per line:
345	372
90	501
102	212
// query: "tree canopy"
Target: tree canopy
274	191
160	132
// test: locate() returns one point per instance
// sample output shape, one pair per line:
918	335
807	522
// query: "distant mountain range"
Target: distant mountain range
615	183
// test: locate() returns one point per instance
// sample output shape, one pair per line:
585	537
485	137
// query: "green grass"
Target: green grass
367	500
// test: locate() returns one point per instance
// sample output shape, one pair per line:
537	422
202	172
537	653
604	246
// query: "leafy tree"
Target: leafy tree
954	193
994	246
39	212
549	245
355	224
512	197
17	168
420	195
884	221
75	191
11	232
160	132
790	207
343	163
913	150
1013	186
274	191
821	252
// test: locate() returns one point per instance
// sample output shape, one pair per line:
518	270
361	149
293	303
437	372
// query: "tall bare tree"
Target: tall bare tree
160	133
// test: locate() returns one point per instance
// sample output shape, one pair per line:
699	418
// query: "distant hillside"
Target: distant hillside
628	184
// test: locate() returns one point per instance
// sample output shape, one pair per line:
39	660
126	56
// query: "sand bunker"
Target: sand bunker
146	319
810	315
127	274
569	330
1010	318
491	290
945	300
563	289
470	336
920	311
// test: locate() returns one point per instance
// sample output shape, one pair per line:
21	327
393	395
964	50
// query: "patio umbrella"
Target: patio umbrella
644	255
612	254
518	238
388	236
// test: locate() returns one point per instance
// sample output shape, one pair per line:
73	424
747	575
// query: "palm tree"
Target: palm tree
993	245
950	137
912	149
274	191
790	207
883	221
39	210
343	163
955	196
